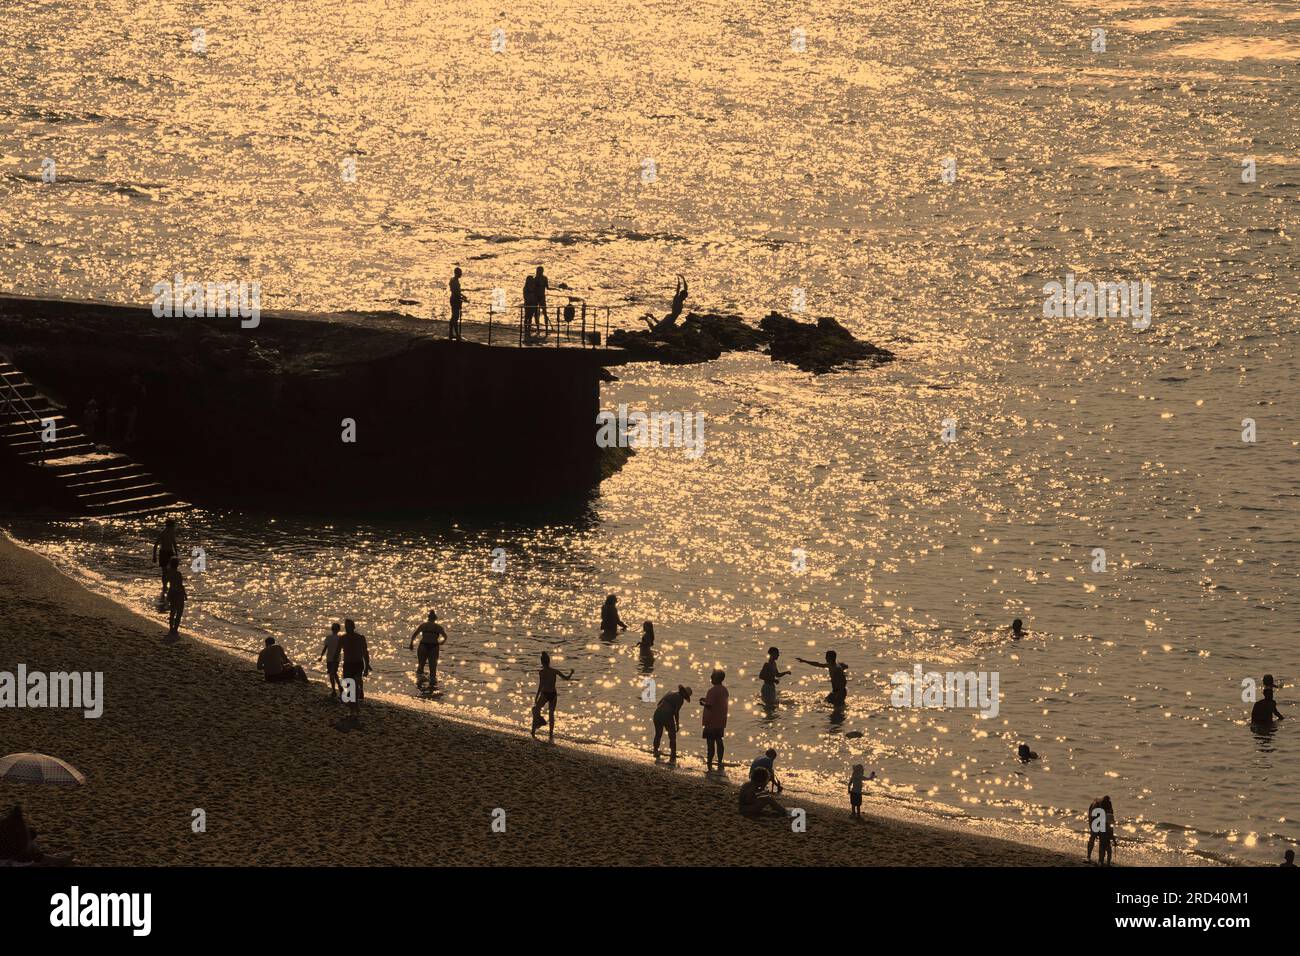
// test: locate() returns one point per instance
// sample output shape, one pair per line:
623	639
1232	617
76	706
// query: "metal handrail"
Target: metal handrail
562	329
13	409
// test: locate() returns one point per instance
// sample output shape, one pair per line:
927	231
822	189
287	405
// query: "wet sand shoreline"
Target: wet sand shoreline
187	726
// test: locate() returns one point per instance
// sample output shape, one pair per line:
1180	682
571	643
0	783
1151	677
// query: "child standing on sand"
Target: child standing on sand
715	717
855	790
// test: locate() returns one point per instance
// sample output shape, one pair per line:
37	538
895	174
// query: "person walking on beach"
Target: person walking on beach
668	716
174	595
1101	829
330	651
164	549
771	675
356	665
670	320
275	664
547	694
610	622
432	636
453	330
715	717
768	763
839	678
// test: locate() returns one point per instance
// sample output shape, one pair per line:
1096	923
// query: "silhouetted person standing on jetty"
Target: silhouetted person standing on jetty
540	285
771	675
668	716
330	651
453	330
164	549
174	594
839	678
432	636
547	694
356	665
715	717
610	622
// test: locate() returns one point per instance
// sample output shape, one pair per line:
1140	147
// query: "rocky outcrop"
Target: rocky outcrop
817	347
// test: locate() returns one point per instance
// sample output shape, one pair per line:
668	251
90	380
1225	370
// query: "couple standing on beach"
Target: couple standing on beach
667	717
165	555
352	649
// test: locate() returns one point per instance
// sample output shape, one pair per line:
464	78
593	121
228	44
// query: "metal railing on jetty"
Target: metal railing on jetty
18	408
575	321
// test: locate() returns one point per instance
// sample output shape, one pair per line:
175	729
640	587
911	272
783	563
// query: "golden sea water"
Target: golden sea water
774	170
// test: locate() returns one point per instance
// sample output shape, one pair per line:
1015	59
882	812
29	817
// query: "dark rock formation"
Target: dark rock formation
818	348
701	337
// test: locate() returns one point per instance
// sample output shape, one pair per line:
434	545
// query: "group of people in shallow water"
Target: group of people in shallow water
350	652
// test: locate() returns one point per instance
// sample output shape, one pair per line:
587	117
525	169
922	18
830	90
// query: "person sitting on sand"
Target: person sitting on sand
275	664
174	595
356	664
754	801
715	717
771	675
1265	709
668	716
768	763
164	549
839	678
1025	754
18	843
669	320
610	622
330	651
647	643
547	694
432	636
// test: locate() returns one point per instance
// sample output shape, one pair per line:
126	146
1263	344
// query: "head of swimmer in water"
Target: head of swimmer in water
648	629
1017	627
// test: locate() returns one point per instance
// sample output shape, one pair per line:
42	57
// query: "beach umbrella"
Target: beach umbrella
39	768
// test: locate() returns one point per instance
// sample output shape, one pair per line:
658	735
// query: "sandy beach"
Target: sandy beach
188	726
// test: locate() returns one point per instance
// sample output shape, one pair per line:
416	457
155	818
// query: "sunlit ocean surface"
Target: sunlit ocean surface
774	170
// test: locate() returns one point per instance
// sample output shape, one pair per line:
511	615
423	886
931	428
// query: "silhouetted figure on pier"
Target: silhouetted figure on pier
668	716
174	595
432	636
548	695
457	300
771	675
610	622
839	678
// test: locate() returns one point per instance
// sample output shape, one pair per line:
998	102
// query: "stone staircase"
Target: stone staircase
91	479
